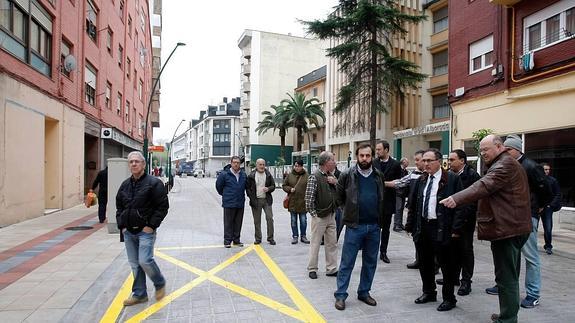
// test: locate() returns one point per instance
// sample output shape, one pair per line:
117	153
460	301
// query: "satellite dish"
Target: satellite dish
69	63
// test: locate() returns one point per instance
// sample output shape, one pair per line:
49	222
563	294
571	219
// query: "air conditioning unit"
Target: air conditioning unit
106	133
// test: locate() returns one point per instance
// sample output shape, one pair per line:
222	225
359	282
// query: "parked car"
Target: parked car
198	173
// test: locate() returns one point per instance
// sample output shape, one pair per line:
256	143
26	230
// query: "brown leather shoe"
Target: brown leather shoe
134	300
160	293
368	300
340	304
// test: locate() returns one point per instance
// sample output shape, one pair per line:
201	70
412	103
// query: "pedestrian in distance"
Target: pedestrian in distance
294	185
400	196
503	217
259	187
142	204
391	170
231	185
553	206
361	192
101	182
320	203
435	228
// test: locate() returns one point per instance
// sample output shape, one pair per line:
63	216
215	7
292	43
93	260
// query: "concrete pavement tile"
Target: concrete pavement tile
68	295
203	318
15	316
46	315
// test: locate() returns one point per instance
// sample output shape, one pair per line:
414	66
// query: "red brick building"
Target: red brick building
69	70
512	70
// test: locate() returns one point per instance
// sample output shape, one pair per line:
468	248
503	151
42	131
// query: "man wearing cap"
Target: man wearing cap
540	196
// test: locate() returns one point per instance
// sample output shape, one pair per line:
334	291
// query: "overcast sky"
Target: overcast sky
208	68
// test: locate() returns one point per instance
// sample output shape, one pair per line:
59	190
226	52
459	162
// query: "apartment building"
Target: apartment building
270	65
517	76
74	81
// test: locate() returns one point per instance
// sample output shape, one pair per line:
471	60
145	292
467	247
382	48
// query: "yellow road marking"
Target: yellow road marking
117	305
238	289
310	314
172	296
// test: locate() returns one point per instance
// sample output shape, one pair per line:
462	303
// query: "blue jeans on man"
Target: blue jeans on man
302	224
140	250
365	237
532	263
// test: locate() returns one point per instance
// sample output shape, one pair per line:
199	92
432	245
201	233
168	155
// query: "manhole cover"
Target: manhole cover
80	228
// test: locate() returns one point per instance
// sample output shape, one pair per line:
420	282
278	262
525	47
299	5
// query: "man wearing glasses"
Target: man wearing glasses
433	227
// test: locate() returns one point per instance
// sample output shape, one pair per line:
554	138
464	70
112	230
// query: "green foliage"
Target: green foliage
280	161
479	135
364	31
302	113
277	119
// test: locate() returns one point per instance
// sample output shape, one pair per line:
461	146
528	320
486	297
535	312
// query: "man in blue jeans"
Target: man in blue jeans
554	206
142	204
360	189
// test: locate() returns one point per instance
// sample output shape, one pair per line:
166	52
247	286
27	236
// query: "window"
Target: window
108	94
314	137
128	67
440	20
314	92
121	12
130	26
221	137
142	54
109	40
481	54
140	89
65	50
221	151
120	55
127	111
440	63
135	77
440	106
90	83
119	104
140	125
142	20
91	20
553	24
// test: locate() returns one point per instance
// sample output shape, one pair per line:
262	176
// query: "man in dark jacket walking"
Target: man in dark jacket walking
361	191
142	204
102	181
259	187
465	258
231	185
553	206
503	217
391	170
434	227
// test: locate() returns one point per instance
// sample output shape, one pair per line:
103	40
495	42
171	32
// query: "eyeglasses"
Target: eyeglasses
428	160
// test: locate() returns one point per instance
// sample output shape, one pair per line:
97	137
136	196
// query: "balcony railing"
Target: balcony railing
246	87
246	69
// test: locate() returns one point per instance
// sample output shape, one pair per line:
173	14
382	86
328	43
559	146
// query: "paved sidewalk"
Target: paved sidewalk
83	272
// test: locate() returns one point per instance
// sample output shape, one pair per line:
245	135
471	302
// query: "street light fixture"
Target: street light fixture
145	148
170	176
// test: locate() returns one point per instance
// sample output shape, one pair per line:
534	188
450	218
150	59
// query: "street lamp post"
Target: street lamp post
170	176
145	148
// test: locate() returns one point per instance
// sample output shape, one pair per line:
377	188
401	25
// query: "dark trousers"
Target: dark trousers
465	259
233	218
338	221
507	263
102	210
385	233
428	248
547	219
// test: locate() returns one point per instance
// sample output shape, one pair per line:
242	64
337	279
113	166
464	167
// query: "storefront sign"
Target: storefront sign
430	128
125	140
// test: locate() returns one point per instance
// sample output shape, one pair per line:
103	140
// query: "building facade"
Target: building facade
271	63
517	77
77	74
216	136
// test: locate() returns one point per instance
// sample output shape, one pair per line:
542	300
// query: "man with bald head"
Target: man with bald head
259	187
503	217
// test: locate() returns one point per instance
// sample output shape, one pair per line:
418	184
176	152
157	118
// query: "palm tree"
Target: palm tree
276	120
301	113
365	30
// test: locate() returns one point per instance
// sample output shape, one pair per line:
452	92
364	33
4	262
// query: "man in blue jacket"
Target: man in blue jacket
231	185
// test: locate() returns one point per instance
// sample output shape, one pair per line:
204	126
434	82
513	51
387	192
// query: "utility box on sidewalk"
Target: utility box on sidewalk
117	172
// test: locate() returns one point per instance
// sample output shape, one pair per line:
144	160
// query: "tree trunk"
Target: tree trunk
299	138
373	103
283	144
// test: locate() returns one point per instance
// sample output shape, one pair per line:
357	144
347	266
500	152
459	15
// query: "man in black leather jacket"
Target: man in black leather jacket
142	204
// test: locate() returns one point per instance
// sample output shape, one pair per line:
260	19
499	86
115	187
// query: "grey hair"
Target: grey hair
324	157
136	154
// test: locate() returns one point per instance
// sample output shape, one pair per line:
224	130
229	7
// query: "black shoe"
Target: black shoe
446	306
384	258
304	240
464	289
340	304
413	265
312	275
494	317
272	242
368	300
294	240
227	245
397	229
439	281
257	242
492	290
238	243
334	274
426	298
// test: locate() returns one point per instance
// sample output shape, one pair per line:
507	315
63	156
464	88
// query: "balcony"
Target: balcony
246	105
245	122
246	87
247	53
246	69
507	3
